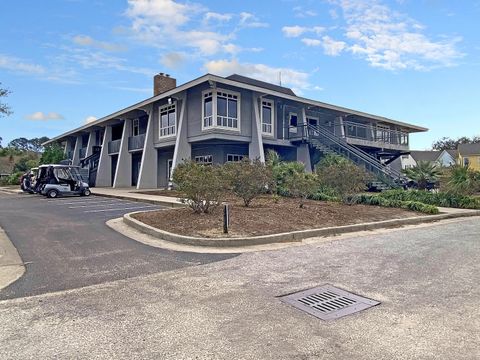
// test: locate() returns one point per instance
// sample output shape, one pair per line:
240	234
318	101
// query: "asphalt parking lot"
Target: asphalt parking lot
65	243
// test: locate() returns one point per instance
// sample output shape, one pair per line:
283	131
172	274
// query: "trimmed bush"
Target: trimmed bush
443	199
378	200
248	179
203	185
301	185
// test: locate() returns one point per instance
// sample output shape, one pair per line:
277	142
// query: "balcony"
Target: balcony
136	142
363	134
114	147
82	153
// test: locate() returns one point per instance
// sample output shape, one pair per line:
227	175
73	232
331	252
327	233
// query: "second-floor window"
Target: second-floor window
267	117
204	159
135	127
221	109
168	118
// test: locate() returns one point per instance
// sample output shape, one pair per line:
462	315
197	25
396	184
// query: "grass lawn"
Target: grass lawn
265	216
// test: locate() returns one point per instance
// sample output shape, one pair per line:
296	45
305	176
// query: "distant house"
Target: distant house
440	157
469	154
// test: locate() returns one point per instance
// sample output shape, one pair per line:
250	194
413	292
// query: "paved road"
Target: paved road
65	244
426	278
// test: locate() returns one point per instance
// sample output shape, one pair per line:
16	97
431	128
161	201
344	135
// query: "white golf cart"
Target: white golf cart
64	180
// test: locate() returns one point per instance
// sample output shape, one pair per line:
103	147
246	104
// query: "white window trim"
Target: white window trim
240	157
272	106
198	157
290	128
214	110
163	108
135	123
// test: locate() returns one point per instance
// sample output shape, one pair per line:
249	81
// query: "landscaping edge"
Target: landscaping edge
11	265
294	236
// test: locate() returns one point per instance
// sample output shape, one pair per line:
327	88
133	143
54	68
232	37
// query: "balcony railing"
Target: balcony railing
82	153
374	133
114	146
136	142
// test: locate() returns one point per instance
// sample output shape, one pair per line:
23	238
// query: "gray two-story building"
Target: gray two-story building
214	119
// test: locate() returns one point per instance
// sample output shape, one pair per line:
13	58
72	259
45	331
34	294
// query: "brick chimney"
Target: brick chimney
162	83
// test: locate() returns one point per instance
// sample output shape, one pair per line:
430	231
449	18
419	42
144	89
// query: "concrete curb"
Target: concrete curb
173	205
11	265
294	236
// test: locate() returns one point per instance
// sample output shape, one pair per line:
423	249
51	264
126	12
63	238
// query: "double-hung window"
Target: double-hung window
234	157
135	127
221	109
168	119
204	159
267	117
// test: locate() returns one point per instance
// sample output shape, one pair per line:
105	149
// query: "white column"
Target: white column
91	142
76	151
255	148
148	168
123	174
105	163
183	149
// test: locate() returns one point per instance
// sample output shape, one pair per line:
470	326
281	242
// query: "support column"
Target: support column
255	148
303	156
105	163
91	142
76	151
148	168
183	149
123	175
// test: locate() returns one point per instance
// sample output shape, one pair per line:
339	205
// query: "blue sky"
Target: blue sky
68	62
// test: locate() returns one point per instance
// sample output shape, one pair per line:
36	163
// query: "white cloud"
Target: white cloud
216	16
290	77
41	116
296	30
300	12
18	65
90	119
332	47
84	40
311	42
173	60
392	41
249	20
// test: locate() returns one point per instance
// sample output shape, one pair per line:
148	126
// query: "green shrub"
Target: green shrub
343	177
301	185
281	174
12	179
461	180
248	179
203	185
424	173
378	200
443	199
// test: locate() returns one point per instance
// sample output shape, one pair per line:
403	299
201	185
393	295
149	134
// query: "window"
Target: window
168	119
293	122
221	109
204	159
466	161
383	133
267	117
135	127
234	157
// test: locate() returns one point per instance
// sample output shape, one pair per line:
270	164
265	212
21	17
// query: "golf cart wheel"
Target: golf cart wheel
52	194
86	192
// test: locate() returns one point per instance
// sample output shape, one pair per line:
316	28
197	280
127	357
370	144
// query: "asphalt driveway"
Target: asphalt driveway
65	244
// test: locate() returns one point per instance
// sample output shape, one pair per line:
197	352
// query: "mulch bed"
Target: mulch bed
264	216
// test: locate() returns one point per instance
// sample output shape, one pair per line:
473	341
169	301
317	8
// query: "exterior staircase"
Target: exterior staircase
327	143
90	164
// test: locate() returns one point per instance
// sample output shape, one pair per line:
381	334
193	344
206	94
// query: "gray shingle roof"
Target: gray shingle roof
469	149
425	155
263	84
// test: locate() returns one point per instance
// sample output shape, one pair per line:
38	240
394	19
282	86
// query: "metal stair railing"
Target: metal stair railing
336	144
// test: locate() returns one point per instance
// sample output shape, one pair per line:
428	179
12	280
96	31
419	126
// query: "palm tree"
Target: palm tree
424	173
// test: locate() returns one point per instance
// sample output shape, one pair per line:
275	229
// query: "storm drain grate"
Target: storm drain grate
328	302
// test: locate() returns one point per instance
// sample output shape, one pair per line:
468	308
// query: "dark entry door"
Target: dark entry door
136	163
114	166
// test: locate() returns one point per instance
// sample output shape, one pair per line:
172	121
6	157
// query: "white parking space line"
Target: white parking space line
95	205
121	209
83	202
